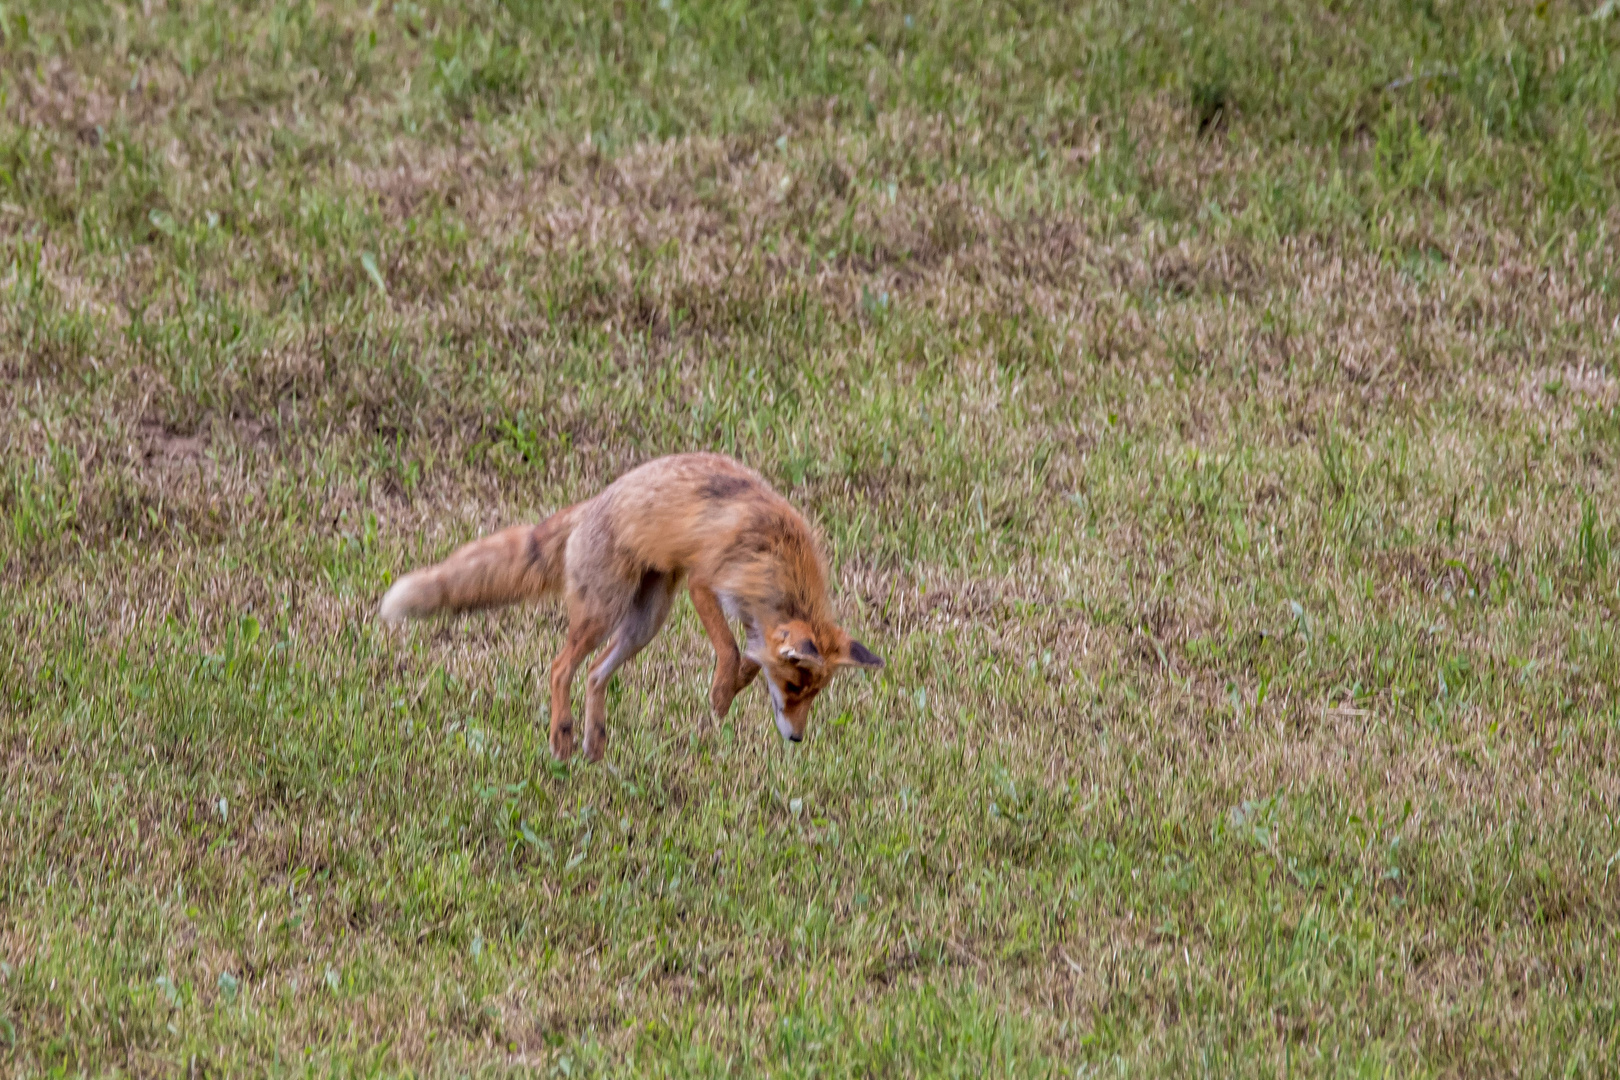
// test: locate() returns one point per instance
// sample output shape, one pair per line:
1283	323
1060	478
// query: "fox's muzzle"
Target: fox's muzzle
779	710
786	729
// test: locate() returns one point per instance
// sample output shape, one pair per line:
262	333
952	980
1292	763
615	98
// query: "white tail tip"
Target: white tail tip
397	603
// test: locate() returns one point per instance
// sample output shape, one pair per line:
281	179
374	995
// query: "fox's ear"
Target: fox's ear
803	652
860	656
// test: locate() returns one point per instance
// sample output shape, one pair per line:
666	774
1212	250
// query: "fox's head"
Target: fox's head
798	663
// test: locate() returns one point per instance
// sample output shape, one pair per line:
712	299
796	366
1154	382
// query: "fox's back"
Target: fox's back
687	511
671	510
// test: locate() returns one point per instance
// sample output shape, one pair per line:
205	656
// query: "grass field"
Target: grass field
1210	411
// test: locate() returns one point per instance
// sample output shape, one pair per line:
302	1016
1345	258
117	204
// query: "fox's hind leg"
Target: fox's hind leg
640	625
585	633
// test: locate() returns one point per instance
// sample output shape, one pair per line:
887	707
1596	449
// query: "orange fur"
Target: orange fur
702	520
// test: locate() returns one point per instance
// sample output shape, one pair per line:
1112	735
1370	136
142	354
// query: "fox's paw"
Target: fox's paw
595	742
562	741
720	700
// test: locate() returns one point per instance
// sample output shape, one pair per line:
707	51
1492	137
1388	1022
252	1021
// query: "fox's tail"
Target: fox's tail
525	562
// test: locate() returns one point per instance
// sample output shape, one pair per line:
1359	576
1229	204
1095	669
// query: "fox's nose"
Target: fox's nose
795	738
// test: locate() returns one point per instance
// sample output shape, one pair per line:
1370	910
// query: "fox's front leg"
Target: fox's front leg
732	670
745	674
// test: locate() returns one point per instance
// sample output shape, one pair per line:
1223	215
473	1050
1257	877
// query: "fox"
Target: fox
619	559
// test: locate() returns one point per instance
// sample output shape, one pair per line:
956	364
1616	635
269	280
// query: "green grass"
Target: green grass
1210	411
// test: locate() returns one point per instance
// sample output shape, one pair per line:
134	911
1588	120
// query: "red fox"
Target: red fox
618	560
